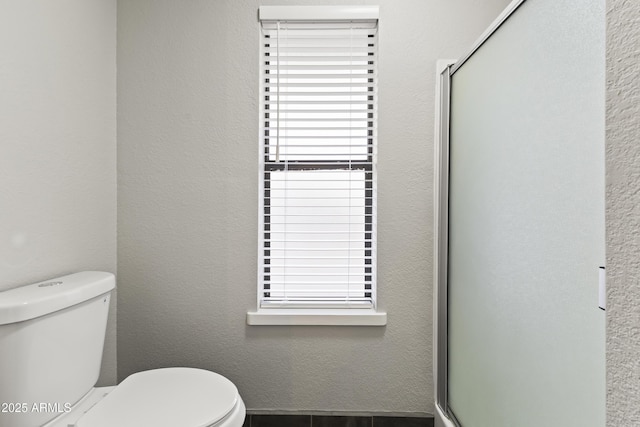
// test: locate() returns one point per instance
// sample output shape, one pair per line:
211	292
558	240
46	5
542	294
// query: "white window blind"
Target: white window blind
318	164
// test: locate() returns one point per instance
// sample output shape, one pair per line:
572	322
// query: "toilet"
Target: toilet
51	341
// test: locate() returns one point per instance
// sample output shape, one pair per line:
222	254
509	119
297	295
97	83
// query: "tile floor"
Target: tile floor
257	420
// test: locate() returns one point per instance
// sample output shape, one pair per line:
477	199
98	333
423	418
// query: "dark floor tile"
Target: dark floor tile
340	421
280	420
247	421
402	422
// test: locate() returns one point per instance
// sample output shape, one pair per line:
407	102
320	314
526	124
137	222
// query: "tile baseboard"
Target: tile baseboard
257	418
340	413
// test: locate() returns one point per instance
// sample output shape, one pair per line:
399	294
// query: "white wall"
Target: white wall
188	197
623	213
57	143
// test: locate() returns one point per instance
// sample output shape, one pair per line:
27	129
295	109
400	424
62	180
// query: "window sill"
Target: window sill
317	317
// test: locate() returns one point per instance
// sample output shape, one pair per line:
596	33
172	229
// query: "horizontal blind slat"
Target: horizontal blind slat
284	139
316	102
312	119
350	57
319	76
318	67
318	290
275	95
318	128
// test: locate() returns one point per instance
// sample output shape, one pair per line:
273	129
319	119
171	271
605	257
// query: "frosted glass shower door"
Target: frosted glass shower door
526	339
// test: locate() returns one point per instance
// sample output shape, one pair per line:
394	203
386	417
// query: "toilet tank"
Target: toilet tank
51	341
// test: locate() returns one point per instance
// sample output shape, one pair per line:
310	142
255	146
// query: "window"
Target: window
318	158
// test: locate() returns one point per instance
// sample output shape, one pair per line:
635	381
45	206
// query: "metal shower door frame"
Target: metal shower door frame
444	417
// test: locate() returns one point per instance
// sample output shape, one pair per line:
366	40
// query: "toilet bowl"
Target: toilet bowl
51	340
168	397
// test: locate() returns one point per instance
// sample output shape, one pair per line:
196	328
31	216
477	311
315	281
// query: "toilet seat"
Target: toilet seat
170	397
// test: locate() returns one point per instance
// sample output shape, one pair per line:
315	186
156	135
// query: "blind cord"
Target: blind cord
278	90
350	158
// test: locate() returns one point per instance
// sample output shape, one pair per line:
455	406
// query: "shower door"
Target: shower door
522	222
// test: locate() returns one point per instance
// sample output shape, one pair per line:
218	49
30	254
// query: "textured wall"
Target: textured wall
188	197
623	213
57	143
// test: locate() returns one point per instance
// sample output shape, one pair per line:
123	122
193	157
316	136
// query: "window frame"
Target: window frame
325	314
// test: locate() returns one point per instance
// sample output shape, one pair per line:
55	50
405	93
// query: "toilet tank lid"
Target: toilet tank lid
31	301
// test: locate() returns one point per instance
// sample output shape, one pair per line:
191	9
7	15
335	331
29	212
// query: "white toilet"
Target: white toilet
51	340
